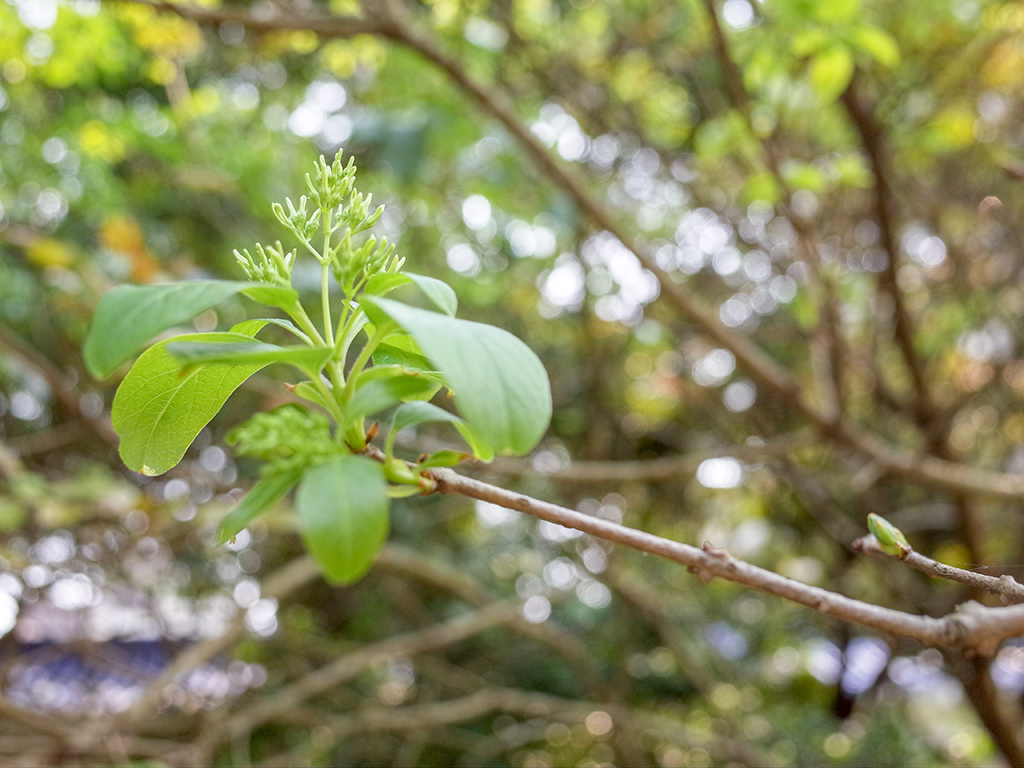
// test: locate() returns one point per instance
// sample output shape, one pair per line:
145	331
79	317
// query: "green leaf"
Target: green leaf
288	325
836	11
762	186
130	315
342	507
231	348
418	412
876	43
482	449
269	489
308	391
443	459
387	387
500	386
385	282
803	175
250	327
159	409
808	41
830	72
400	349
280	296
439	292
853	171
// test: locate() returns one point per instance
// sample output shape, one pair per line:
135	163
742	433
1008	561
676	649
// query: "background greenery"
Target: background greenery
845	195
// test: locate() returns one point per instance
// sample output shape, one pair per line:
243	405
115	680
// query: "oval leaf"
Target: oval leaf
343	515
159	409
130	315
500	386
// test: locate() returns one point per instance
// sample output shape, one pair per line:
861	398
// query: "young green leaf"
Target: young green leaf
159	409
439	292
308	391
380	392
401	350
500	386
130	315
280	296
385	282
288	325
342	508
261	496
890	538
443	459
418	412
234	350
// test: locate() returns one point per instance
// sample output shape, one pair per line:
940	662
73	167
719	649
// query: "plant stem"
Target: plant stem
364	357
325	301
305	324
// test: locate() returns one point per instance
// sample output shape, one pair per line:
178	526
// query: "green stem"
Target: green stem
361	361
325	301
328	396
298	314
327	215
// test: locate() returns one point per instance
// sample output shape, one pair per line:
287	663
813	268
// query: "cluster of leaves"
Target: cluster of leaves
407	354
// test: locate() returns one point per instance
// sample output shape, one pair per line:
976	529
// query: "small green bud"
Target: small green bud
890	538
301	222
274	266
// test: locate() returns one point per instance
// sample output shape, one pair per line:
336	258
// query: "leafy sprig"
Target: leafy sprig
370	356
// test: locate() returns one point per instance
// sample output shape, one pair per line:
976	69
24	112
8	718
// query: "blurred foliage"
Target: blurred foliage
137	146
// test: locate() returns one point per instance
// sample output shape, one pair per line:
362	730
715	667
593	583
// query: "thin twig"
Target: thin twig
1009	589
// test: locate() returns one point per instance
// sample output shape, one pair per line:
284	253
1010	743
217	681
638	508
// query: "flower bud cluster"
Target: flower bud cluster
337	207
274	266
331	184
299	221
286	439
371	258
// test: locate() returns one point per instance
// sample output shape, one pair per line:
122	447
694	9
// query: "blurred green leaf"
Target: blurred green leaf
877	43
342	508
830	71
267	491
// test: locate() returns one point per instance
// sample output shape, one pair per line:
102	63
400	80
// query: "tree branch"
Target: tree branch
972	627
873	144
